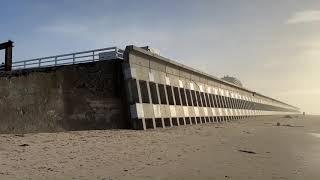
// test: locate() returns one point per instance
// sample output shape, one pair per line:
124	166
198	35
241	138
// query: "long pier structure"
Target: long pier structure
108	88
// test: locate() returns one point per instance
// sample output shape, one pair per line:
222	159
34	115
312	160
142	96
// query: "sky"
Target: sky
272	46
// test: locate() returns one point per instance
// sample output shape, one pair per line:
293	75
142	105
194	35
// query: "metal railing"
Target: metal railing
68	59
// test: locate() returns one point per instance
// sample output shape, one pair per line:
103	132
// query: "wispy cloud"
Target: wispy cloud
306	16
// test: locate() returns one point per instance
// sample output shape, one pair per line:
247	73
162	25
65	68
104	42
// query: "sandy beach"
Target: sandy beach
254	148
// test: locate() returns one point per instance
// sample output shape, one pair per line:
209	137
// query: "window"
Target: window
198	120
167	122
199	99
153	92
181	121
183	97
149	123
233	105
214	101
247	105
229	102
134	98
144	91
237	104
208	99
223	102
220	101
254	106
242	104
251	105
174	121
176	95
188	120
188	94
193	120
162	94
158	122
226	99
194	99
170	95
203	99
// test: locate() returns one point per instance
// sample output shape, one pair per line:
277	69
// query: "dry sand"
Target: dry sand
255	149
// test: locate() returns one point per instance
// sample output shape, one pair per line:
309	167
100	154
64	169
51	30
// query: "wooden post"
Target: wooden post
8	54
8	59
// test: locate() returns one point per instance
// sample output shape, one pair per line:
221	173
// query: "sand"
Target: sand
254	148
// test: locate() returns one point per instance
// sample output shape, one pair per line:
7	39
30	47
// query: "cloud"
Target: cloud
306	16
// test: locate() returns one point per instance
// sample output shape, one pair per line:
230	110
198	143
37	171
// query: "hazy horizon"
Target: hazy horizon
271	46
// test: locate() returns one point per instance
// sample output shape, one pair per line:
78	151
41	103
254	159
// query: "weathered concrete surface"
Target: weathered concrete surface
77	97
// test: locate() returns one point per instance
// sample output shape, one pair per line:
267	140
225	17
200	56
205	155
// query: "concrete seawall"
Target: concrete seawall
163	93
75	97
139	90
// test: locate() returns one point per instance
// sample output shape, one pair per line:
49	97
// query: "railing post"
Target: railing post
39	64
24	64
116	49
55	61
92	55
73	58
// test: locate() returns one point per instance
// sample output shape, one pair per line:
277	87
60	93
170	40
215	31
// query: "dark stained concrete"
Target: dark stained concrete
77	97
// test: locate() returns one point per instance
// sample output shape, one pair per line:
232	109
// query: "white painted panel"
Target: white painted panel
173	111
205	111
136	111
236	112
191	86
167	80
133	73
196	111
226	112
180	84
220	111
186	111
213	111
151	77
209	90
201	88
227	93
157	111
216	91
231	112
222	92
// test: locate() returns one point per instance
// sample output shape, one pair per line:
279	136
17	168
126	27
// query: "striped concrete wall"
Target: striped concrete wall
162	93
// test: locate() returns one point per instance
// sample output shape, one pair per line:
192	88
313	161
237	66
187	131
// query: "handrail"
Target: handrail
65	59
